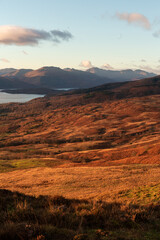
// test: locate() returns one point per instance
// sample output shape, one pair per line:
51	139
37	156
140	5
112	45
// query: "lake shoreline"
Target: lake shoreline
24	95
6	97
38	91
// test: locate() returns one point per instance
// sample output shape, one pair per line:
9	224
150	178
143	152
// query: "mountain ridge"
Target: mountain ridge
55	77
125	75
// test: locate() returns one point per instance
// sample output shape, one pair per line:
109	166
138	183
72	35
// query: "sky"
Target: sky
109	34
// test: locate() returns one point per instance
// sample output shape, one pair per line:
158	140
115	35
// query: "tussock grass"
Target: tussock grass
26	217
14	164
126	183
142	194
127	129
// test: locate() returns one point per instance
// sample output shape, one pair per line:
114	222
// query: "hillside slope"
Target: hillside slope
7	83
143	87
106	125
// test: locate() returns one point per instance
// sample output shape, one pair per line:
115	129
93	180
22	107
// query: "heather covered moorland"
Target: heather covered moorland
83	164
80	120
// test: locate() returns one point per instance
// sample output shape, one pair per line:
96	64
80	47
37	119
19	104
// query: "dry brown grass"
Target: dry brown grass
83	147
69	128
82	183
25	217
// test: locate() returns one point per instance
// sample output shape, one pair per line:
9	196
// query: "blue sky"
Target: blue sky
115	34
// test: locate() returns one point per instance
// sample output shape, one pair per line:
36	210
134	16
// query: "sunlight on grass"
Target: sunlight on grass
143	194
10	165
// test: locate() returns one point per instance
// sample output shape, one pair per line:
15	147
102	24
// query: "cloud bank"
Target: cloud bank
135	18
86	64
107	66
16	35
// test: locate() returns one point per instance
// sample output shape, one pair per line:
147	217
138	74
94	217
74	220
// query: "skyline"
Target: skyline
80	35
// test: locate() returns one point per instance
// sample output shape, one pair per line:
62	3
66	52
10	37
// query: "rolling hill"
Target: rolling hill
101	145
143	87
110	124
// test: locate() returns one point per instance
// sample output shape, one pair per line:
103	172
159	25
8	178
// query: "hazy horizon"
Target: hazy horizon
80	69
111	35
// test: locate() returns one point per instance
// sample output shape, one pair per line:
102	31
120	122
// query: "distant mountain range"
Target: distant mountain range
7	83
53	77
123	75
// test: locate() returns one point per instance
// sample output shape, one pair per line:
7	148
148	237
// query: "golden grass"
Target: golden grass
104	183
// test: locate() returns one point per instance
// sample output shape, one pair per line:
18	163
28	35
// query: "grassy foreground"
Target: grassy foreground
138	184
58	218
99	153
95	203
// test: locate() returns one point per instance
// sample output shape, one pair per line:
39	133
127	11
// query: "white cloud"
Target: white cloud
4	60
147	68
135	18
16	35
107	66
86	64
